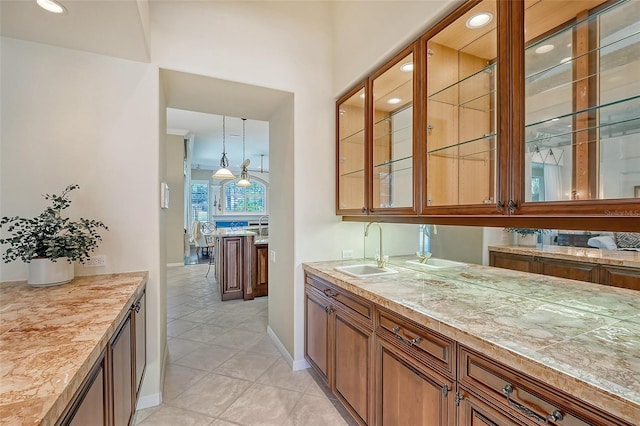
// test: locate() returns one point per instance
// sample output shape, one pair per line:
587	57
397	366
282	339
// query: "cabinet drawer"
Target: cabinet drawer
528	397
349	301
426	345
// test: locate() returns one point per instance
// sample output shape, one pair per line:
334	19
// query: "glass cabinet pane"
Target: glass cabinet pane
392	151
351	152
582	100
461	110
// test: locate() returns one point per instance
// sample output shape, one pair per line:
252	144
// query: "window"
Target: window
200	200
249	200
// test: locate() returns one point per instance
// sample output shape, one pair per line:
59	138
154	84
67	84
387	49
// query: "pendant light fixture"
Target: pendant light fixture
244	175
223	172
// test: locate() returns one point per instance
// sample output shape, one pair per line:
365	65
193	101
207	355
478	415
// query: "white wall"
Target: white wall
367	33
174	174
77	117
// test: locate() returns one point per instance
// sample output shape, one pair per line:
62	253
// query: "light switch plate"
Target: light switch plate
347	254
272	256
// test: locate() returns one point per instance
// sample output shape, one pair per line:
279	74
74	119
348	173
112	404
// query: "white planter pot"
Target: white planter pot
44	272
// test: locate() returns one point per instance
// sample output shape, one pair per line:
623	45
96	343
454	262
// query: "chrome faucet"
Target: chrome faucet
260	224
427	230
380	258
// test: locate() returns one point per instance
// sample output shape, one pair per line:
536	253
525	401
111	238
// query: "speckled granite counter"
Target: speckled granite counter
580	337
592	255
51	337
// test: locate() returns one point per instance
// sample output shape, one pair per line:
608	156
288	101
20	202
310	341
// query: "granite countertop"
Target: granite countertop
592	255
230	232
51	337
579	337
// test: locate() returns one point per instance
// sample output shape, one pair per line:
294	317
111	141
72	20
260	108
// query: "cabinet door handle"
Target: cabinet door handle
327	292
556	416
414	341
328	309
512	206
500	206
364	209
137	307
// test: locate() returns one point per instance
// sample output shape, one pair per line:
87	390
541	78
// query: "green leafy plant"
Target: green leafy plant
49	235
523	232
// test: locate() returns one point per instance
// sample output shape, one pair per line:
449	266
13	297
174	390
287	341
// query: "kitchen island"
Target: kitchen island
53	339
240	264
553	338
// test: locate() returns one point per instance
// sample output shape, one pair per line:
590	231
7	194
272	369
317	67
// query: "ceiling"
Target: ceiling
207	132
115	28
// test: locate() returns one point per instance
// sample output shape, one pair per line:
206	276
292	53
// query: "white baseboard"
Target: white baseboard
171	265
155	399
148	401
295	365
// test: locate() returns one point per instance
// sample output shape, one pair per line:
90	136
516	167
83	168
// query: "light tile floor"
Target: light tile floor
223	369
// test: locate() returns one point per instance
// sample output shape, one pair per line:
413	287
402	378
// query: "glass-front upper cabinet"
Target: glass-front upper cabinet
582	102
351	145
461	98
392	146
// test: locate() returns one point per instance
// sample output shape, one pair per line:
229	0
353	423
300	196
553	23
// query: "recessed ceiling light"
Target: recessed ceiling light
565	60
406	67
394	101
545	48
479	20
52	6
362	95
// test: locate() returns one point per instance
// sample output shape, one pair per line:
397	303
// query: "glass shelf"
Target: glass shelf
485	137
556	67
540	142
357	137
355	173
586	110
450	94
394	162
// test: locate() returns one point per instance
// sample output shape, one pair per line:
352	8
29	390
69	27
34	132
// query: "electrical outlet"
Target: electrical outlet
347	254
272	256
96	261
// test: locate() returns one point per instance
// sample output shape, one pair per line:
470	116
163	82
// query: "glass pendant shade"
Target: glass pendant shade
244	179
223	172
244	175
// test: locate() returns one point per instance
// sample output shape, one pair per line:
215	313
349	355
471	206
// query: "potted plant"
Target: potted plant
50	243
526	236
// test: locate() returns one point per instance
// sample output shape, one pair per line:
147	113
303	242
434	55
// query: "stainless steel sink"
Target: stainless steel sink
364	270
435	263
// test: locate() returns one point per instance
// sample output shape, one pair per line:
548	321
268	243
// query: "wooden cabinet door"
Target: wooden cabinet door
232	268
122	375
261	281
475	412
352	361
316	337
567	269
515	262
620	276
140	320
89	409
408	393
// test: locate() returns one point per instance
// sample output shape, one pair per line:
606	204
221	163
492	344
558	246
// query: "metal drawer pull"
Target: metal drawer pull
556	416
327	292
414	341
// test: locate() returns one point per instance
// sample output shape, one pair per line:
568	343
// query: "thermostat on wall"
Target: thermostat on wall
164	195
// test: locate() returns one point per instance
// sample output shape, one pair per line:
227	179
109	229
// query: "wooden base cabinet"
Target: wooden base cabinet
260	270
388	370
122	378
339	345
407	393
109	394
617	276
